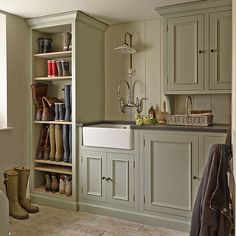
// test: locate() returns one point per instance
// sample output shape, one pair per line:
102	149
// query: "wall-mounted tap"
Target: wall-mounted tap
139	101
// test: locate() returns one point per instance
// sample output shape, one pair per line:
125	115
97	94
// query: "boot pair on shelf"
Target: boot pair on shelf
44	45
16	182
55	143
63	187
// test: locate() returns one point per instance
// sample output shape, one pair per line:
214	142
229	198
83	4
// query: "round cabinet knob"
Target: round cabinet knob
109	179
213	50
103	178
195	177
200	51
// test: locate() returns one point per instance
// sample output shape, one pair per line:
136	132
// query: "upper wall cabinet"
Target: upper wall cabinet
197	47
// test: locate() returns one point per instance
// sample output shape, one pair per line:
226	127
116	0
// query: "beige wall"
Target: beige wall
14	143
148	63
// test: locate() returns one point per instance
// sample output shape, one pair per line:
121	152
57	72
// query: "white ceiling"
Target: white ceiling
110	11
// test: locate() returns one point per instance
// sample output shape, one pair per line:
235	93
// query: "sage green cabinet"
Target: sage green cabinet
197	43
170	172
108	177
185	53
220	50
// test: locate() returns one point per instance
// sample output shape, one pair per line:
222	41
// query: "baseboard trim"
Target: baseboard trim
54	202
142	218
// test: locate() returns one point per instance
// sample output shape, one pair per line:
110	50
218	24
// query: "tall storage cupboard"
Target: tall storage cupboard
86	79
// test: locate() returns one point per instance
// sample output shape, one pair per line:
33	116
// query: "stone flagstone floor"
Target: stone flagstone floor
57	222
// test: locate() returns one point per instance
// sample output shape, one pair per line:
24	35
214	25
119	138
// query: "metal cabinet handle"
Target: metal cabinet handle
200	51
213	50
103	178
109	179
195	177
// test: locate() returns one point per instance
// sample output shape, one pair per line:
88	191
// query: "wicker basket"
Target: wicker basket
190	120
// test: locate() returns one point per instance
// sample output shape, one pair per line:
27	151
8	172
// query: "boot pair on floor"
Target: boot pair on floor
16	182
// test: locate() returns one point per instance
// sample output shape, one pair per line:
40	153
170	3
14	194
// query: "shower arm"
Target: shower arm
130	44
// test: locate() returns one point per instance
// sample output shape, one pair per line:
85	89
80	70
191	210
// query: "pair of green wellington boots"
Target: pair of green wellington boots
16	182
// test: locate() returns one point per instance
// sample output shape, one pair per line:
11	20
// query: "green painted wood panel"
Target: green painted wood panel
93	169
171	162
185	52
220	50
120	190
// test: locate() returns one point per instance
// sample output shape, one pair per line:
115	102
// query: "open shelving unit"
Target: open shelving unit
86	59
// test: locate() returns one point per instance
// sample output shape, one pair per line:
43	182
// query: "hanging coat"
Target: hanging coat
211	213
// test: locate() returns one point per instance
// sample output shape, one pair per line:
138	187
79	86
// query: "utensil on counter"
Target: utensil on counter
161	115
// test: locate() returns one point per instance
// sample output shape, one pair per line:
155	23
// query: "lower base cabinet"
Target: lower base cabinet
156	183
108	177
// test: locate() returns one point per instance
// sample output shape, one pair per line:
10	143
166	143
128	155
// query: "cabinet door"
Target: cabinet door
220	50
93	170
185	53
171	162
208	141
120	187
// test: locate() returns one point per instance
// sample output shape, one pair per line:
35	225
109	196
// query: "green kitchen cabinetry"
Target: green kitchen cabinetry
108	177
197	47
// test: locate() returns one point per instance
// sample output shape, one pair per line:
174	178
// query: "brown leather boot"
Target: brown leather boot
47	146
52	142
59	143
38	91
48	184
49	108
41	145
55	184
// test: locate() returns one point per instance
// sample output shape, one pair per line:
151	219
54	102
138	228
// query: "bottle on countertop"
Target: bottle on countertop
151	113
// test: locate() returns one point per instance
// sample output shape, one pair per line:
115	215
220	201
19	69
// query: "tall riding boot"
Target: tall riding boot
23	177
47	146
39	91
67	89
40	45
70	143
11	184
66	131
47	45
43	135
52	142
59	143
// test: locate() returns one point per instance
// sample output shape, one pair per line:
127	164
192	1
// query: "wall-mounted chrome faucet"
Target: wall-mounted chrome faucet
139	101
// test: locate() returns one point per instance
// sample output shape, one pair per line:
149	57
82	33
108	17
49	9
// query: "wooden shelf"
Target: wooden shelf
54	55
42	190
54	169
59	163
53	122
54	78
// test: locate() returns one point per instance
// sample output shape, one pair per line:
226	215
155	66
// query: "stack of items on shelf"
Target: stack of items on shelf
58	68
55	139
64	186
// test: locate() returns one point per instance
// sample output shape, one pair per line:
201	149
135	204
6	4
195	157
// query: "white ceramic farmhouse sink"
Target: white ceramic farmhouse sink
108	135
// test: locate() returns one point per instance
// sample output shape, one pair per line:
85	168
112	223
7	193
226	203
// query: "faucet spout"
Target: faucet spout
128	86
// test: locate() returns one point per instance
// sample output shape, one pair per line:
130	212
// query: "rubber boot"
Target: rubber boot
40	45
43	135
52	142
70	143
55	184
68	188
59	143
48	184
38	91
67	41
67	90
11	184
61	108
47	146
23	177
65	68
66	146
47	45
59	68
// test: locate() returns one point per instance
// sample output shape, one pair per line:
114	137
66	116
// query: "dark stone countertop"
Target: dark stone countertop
217	128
